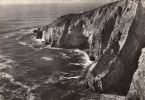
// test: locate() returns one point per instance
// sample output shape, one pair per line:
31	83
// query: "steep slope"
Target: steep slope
114	35
115	68
137	90
76	30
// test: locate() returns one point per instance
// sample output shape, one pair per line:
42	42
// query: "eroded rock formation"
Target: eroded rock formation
137	89
114	35
116	66
39	33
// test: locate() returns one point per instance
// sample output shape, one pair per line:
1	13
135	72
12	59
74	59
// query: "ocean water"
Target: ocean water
16	17
31	71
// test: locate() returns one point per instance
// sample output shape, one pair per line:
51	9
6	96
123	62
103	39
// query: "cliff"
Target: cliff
137	89
115	67
114	35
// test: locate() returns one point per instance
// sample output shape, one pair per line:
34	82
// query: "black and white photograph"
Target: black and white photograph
72	49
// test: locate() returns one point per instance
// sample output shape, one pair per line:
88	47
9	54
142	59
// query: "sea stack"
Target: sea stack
39	33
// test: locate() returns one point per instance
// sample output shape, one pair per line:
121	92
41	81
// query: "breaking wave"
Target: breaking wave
47	58
23	43
11	79
85	59
61	75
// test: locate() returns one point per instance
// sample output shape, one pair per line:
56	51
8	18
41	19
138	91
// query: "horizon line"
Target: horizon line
16	2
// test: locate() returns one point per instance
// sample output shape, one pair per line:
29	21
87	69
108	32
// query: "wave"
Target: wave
32	45
77	64
21	29
23	43
53	48
8	36
64	56
51	80
30	96
86	59
47	58
69	93
6	63
61	77
13	33
39	41
18	38
75	77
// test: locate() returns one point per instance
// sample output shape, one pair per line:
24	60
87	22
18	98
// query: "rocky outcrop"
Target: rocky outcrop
66	32
39	33
114	35
137	89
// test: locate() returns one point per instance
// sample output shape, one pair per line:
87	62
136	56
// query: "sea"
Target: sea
32	71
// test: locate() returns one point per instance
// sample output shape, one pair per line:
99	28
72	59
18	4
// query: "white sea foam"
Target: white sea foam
75	77
52	80
77	64
19	38
35	86
39	40
3	66
65	56
6	64
86	60
56	77
23	43
55	48
7	76
47	58
64	73
26	31
11	79
23	32
8	36
31	46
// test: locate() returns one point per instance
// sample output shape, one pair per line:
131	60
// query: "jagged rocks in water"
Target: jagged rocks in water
137	89
35	31
39	33
54	43
47	43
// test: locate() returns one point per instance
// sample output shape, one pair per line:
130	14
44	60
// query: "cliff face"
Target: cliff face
114	35
76	30
115	67
137	89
